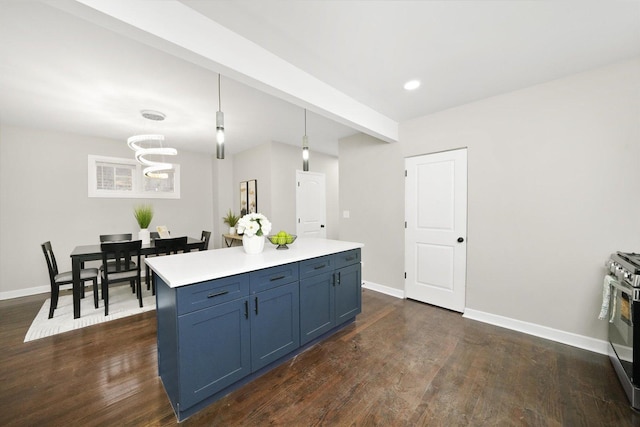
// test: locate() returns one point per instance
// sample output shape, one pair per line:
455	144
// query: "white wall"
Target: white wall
552	190
254	163
286	160
223	198
274	165
372	191
43	196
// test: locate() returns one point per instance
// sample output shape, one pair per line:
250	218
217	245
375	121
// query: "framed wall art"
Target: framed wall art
248	197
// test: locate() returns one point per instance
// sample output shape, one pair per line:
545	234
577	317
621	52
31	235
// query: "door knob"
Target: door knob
460	239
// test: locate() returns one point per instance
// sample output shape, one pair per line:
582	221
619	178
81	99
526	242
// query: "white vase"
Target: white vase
253	244
232	230
145	236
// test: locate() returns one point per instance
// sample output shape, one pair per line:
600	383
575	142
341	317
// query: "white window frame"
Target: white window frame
137	191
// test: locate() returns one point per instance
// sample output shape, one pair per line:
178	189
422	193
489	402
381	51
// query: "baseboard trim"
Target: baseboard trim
41	290
398	293
569	338
27	292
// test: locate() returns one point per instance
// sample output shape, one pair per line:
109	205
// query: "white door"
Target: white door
311	204
436	228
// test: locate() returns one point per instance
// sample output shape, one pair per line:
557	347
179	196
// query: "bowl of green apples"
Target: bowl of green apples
282	239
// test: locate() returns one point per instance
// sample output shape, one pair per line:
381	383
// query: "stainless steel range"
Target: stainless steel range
623	312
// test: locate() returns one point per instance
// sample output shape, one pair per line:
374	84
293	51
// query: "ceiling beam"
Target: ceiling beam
223	51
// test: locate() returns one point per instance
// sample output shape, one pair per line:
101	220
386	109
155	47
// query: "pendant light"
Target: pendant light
219	127
305	146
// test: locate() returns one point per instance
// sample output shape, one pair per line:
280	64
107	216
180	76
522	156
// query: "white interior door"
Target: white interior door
311	204
436	228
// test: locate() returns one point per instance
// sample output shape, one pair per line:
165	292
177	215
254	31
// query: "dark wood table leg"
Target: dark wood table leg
76	266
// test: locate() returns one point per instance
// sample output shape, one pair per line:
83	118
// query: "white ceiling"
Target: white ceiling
64	67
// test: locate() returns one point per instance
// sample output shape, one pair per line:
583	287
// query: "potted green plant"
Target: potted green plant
144	215
231	219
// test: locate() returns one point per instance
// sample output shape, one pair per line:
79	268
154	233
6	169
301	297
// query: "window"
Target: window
116	177
157	185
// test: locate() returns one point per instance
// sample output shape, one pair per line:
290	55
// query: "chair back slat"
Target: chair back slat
206	235
123	237
51	260
171	246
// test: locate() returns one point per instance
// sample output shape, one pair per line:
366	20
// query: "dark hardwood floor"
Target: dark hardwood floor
402	363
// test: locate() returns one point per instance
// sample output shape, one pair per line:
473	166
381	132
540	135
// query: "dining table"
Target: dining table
84	253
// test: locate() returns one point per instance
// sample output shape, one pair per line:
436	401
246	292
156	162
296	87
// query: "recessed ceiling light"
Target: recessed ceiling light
412	85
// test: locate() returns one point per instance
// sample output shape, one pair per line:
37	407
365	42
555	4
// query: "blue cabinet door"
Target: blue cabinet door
214	350
317	306
275	324
348	290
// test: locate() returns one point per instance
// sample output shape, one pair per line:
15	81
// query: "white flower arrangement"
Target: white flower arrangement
254	224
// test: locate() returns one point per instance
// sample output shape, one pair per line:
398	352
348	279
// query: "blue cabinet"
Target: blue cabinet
275	324
216	335
317	306
269	278
203	337
348	286
330	293
275	313
214	350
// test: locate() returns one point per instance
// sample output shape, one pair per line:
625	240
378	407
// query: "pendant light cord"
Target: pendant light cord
219	98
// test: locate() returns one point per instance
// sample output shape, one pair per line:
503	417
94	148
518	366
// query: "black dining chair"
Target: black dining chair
122	237
154	235
118	266
172	246
57	279
205	236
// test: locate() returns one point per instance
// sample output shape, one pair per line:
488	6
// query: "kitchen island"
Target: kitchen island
225	317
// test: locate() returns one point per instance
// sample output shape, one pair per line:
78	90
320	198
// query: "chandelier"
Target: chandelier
153	147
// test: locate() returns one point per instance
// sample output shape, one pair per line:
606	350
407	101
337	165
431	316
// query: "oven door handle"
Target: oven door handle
633	292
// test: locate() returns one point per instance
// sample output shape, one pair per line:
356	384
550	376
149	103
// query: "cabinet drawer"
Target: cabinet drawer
213	292
272	277
345	258
315	266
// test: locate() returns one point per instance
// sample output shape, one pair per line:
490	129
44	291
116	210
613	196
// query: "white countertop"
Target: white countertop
185	269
